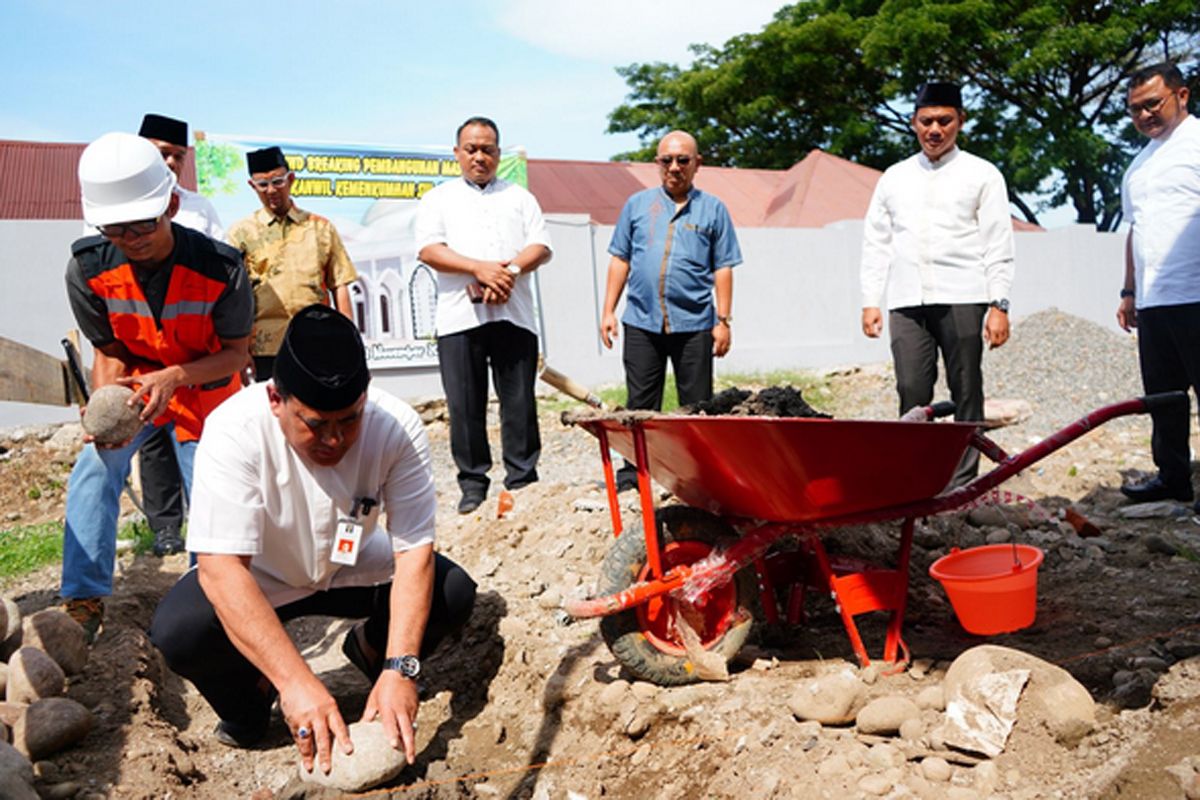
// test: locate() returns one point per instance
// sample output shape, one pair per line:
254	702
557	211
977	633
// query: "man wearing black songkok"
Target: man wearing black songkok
291	478
938	238
293	257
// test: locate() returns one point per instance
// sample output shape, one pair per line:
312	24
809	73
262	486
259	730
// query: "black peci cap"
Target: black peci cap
939	94
322	361
265	160
165	129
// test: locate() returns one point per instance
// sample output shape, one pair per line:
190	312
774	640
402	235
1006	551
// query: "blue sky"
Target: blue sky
401	73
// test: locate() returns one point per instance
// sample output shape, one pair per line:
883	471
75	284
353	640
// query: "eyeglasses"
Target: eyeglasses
279	181
665	161
139	228
1149	106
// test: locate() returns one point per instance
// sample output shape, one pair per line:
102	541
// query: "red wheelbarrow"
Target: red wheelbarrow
677	589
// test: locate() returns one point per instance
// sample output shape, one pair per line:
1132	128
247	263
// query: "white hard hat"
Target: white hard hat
123	178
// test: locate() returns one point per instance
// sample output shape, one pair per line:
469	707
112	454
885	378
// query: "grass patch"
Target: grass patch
816	390
28	548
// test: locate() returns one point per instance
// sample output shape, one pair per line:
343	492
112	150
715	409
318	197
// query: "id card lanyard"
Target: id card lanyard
348	537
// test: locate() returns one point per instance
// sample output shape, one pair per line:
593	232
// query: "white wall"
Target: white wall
796	300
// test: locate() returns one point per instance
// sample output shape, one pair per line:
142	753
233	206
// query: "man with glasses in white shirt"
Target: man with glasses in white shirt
1160	196
938	238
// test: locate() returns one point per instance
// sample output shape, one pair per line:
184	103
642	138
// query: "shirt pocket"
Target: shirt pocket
693	244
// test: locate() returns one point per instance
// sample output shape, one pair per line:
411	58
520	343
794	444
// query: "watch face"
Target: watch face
410	667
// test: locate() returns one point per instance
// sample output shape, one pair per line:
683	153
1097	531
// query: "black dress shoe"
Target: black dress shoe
626	479
1154	489
469	502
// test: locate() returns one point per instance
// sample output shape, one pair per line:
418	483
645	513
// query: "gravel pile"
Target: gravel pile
1064	366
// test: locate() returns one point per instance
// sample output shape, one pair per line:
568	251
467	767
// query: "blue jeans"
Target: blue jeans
93	506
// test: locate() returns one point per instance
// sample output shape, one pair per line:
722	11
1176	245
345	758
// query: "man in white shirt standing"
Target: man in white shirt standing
484	236
170	136
313	496
1160	195
938	238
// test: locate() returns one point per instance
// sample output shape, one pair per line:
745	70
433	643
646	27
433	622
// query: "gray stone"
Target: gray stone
32	676
59	791
1152	663
109	418
885	715
876	785
612	696
911	730
16	775
10	634
936	769
373	761
1051	698
830	699
50	725
1157	544
933	697
61	637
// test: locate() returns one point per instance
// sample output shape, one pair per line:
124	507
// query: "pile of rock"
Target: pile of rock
37	655
957	723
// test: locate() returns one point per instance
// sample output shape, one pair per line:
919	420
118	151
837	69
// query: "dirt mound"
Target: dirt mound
773	401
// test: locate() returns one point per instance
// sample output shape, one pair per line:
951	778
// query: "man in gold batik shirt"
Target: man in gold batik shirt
294	258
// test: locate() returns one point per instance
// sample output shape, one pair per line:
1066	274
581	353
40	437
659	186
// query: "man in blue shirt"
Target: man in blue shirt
673	246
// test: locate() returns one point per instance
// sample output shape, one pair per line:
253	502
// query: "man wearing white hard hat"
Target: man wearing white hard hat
172	311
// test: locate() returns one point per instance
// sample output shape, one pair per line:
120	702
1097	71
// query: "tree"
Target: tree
1045	88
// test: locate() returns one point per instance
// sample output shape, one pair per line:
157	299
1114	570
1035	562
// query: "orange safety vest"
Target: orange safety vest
183	333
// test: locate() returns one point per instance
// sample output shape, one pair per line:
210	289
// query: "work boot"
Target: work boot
88	612
167	542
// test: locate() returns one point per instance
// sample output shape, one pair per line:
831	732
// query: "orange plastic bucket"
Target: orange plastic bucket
993	588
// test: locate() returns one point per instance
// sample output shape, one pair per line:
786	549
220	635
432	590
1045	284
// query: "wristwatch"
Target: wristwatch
408	666
1000	305
1128	293
725	320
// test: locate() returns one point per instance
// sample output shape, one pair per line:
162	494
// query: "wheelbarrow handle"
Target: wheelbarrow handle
1162	400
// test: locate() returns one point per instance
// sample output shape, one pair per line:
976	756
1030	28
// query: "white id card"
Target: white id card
345	542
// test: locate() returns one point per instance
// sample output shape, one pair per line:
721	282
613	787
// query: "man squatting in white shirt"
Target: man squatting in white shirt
939	227
290	480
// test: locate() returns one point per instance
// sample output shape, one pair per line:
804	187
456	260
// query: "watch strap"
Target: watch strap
409	666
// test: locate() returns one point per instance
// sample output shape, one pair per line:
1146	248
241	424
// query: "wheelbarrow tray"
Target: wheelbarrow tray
793	469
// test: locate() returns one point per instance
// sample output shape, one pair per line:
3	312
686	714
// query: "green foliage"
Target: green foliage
28	547
514	169
216	168
1045	83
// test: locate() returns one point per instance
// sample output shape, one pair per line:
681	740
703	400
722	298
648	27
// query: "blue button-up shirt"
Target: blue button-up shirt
672	256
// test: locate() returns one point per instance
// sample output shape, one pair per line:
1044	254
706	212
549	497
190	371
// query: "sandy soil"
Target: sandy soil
522	704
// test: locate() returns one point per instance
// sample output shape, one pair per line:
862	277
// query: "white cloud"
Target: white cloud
617	32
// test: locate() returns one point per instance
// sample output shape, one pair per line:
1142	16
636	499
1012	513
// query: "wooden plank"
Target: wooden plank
31	376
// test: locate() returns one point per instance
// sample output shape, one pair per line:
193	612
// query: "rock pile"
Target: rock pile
39	652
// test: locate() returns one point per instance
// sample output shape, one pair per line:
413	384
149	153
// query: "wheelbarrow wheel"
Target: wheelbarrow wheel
646	639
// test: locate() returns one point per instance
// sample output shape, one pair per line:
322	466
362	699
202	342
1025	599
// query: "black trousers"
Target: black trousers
1169	355
464	358
194	644
646	354
162	485
917	333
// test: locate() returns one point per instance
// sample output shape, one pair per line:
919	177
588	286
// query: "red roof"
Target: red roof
37	181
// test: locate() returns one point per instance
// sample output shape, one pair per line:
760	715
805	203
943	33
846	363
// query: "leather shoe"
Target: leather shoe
1154	490
626	479
469	502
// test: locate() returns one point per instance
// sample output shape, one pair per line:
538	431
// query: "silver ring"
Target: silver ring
302	732
414	726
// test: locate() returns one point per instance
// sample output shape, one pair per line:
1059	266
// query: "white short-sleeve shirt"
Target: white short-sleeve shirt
253	495
1160	196
493	223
